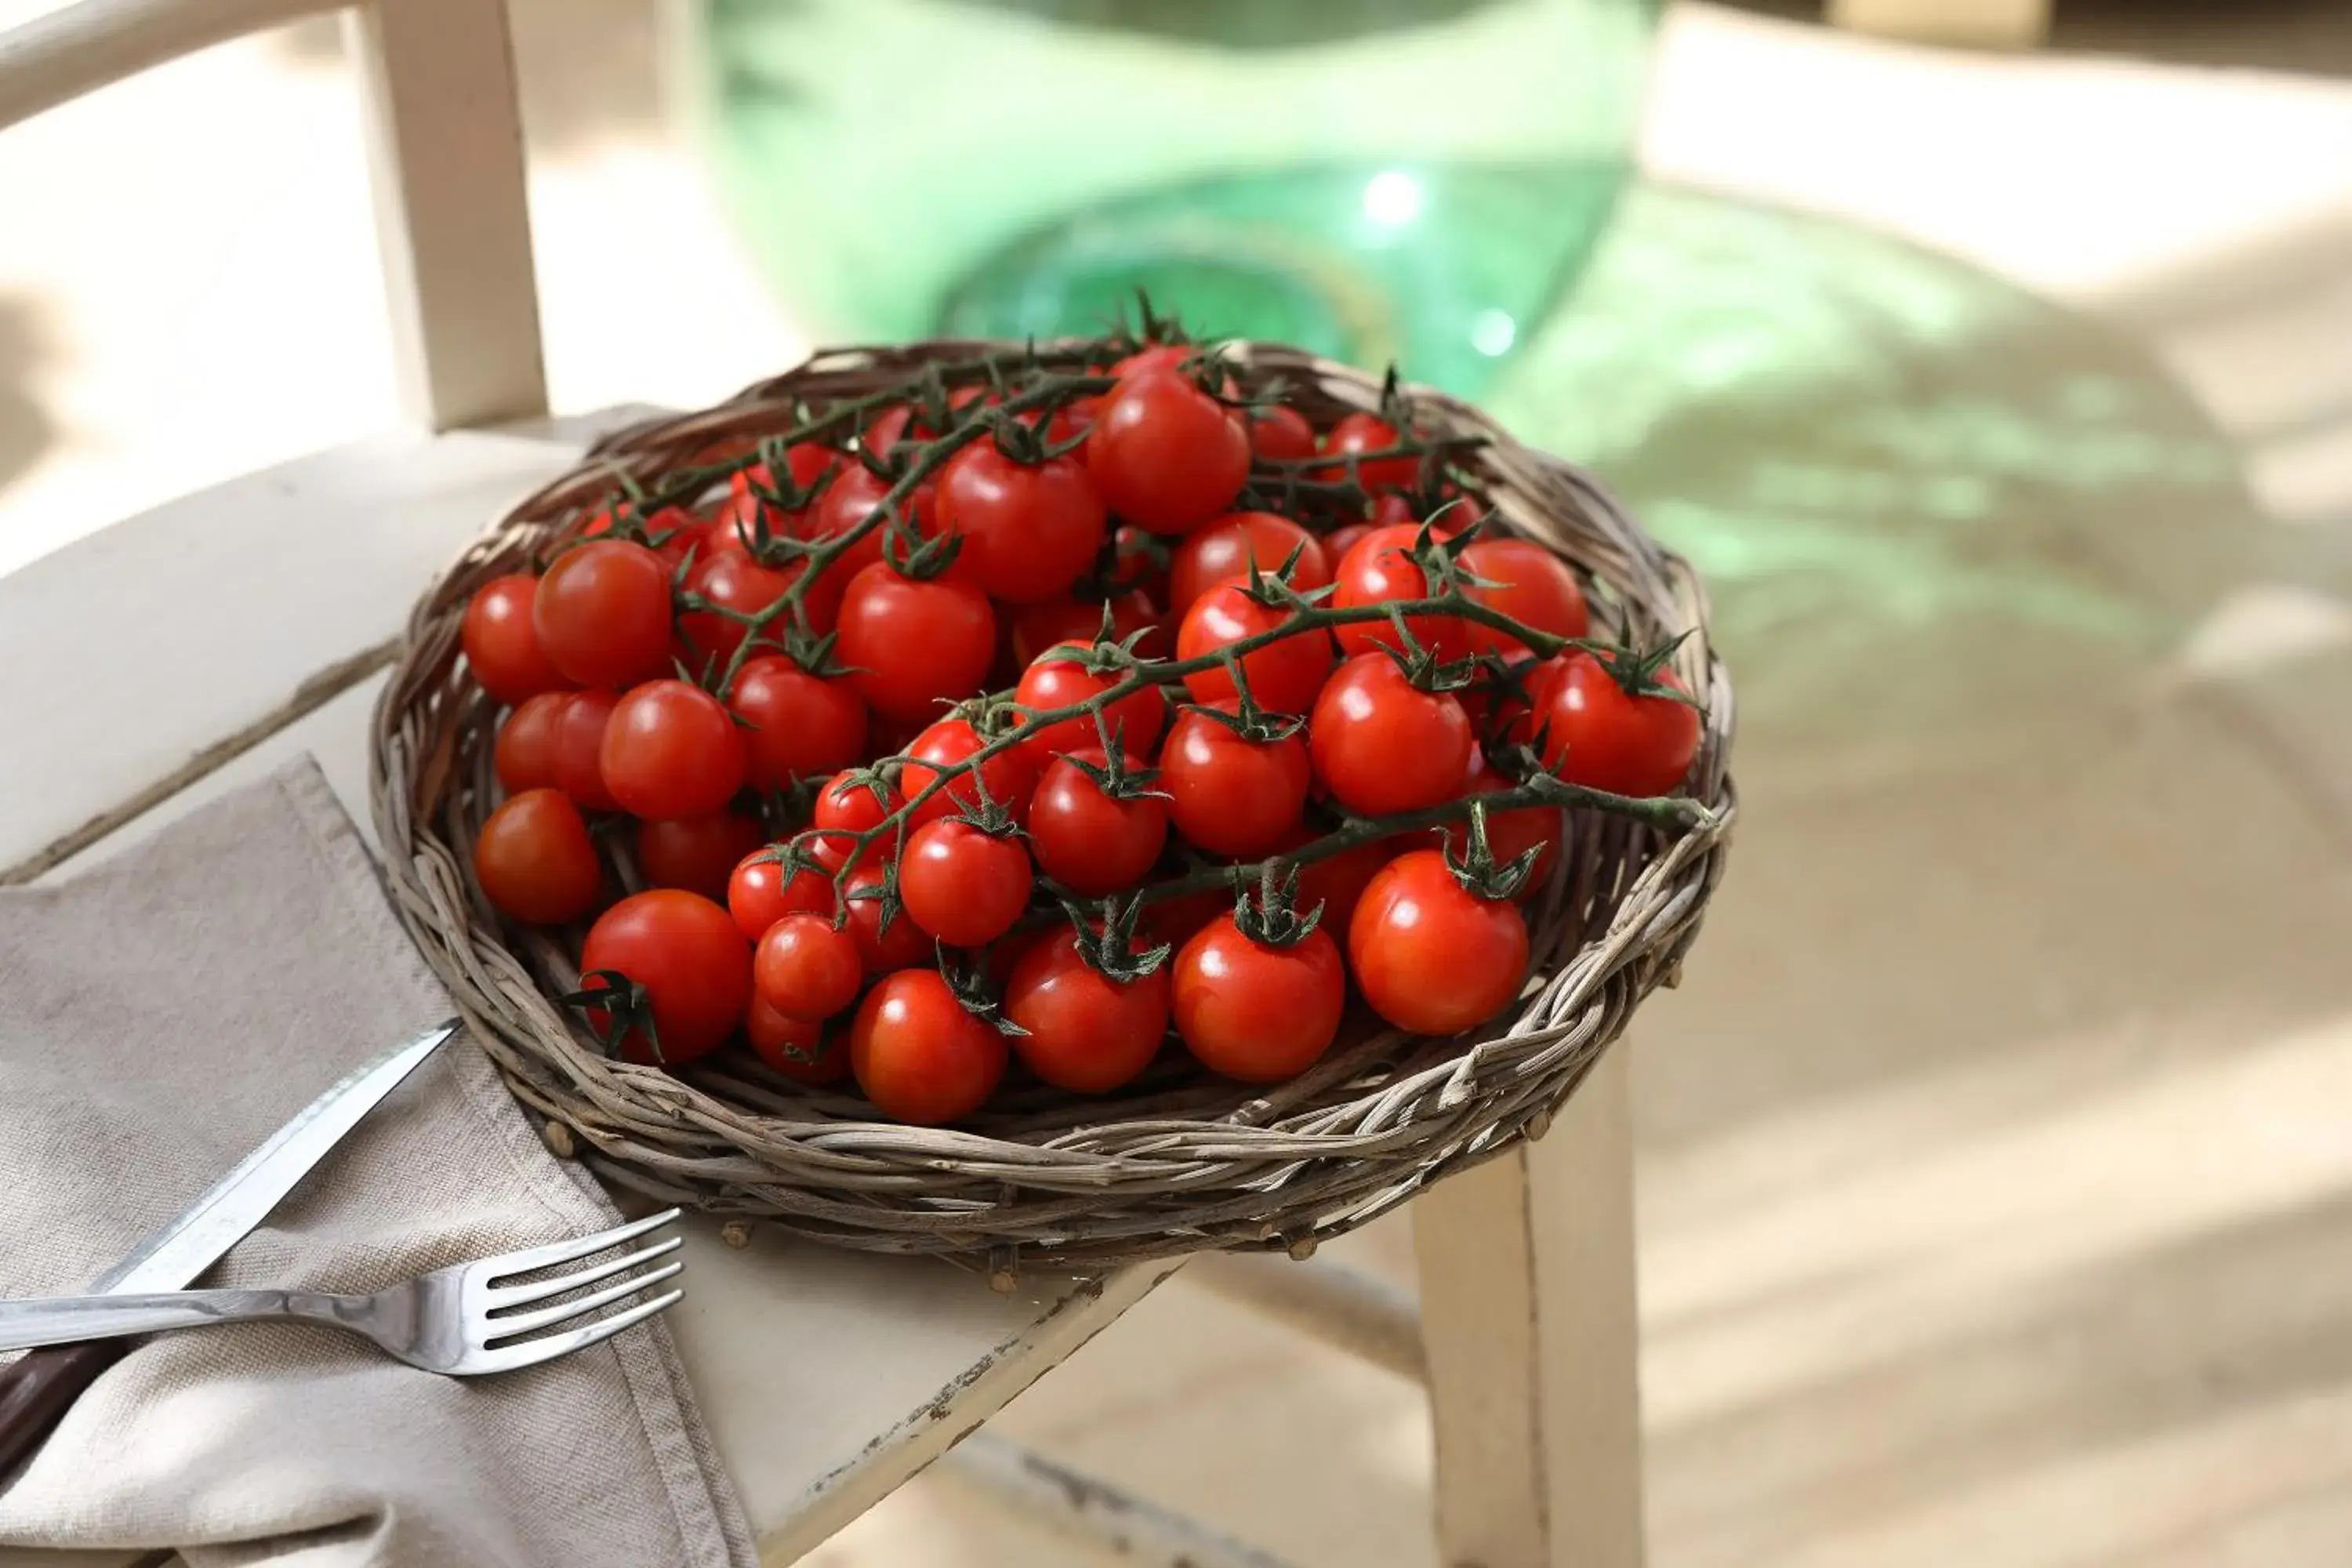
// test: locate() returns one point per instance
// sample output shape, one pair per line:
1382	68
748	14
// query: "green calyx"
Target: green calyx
1268	914
614	1010
1105	939
1474	867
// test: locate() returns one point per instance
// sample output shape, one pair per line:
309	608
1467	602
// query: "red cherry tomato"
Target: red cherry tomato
1255	1012
602	613
1157	357
1284	676
1037	627
798	1048
920	1054
844	807
759	894
1381	746
1511	834
580	750
1227	795
854	494
1360	433
1008	777
693	964
914	645
1087	1033
1430	956
805	968
737	524
1059	678
671	749
1174	920
697	853
1380	569
525	755
1340	540
535	861
1531	585
1226	547
897	946
1165	454
962	885
1279	435
1087	841
1336	883
501	647
734	581
798	725
1597	736
1029	530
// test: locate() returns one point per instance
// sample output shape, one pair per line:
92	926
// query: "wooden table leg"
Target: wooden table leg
1527	1312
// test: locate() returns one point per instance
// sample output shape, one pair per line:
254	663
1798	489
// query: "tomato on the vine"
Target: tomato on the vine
1226	547
1165	454
963	886
1428	954
1037	627
855	493
1381	745
807	968
897	945
1060	678
1086	1032
1342	539
535	861
798	1048
1284	675
920	1054
845	805
733	580
798	725
1527	583
1360	433
525	752
1596	735
602	613
1380	569
1007	778
1087	841
1336	883
759	894
500	646
1279	435
1511	833
1228	795
1029	530
1255	1011
913	644
690	961
696	853
580	750
672	750
737	522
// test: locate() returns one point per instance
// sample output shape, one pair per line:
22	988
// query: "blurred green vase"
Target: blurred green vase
1419	181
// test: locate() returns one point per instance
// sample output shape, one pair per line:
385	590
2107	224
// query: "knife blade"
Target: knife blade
37	1390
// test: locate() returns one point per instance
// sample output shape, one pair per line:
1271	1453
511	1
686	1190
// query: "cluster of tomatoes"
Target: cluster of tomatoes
1044	714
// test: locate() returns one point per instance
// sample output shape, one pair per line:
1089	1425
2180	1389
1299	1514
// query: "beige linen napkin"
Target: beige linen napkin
160	1016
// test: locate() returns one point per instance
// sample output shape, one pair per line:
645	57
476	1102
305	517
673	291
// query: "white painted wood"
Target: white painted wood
445	157
1528	1309
1087	1508
2008	24
81	47
1345	1308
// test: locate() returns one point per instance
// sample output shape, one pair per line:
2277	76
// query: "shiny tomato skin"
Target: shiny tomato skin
759	895
1430	956
1336	883
1226	547
1165	454
807	969
1381	746
1597	736
693	962
736	582
1284	676
1379	568
601	614
1256	1013
801	1049
1034	628
915	644
796	725
501	649
580	732
1059	678
1531	585
1008	777
526	752
1229	796
962	885
1340	540
920	1055
1087	841
535	860
1280	434
898	945
1029	530
697	853
847	502
1358	433
844	807
671	749
1087	1033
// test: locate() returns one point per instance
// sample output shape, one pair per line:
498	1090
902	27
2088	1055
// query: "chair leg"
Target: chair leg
1527	1312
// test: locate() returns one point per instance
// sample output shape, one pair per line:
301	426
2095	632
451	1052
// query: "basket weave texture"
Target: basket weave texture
1179	1162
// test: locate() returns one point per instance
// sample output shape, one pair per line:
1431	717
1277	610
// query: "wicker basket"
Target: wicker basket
1179	1161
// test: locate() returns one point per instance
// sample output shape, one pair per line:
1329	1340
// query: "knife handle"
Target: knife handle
40	1386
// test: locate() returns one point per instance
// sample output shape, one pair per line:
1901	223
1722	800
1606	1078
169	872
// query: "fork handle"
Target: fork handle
63	1319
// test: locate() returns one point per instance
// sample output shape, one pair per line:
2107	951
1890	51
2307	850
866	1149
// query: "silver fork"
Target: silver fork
459	1321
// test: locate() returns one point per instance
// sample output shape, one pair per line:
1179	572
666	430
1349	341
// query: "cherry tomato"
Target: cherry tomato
525	755
1087	1033
737	524
1255	1012
1532	585
1284	676
1337	881
1342	539
1445	520
1087	841
759	895
602	613
798	1048
1157	357
844	807
1511	834
798	725
1037	627
1227	795
1280	434
1597	736
1009	777
535	859
1429	955
734	581
1059	678
580	750
692	961
1381	746
501	647
883	948
1359	433
914	645
1174	920
962	885
1226	547
805	968
920	1054
697	853
1140	561
1165	454
1377	570
1029	530
671	749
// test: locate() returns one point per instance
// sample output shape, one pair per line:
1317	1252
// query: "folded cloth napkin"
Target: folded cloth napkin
160	1016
